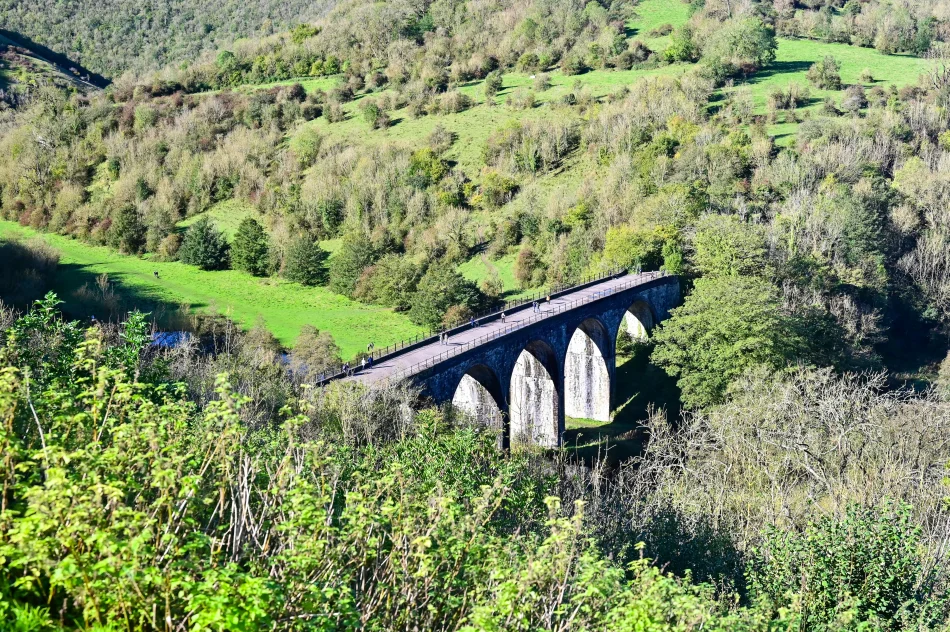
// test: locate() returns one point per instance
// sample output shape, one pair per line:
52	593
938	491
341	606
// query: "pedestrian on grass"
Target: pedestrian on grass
156	274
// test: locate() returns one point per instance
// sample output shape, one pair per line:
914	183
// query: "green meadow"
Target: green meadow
226	215
285	307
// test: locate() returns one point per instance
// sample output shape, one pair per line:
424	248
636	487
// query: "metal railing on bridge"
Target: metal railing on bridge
552	310
398	348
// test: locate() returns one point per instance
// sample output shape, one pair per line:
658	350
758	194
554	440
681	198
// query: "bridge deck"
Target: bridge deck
421	358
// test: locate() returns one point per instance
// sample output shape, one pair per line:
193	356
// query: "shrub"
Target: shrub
825	74
681	46
440	140
493	83
529	62
305	262
573	65
28	269
854	99
375	116
250	251
204	246
522	99
334	113
314	352
454	102
740	47
542	82
440	288
868	566
169	246
527	266
392	281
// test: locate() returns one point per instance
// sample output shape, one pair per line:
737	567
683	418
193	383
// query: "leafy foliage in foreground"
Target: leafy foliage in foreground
129	505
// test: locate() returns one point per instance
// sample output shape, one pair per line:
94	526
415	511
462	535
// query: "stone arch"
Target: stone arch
479	394
639	319
535	397
587	372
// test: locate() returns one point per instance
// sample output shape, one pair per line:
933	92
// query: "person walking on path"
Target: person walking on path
363	364
369	362
549	301
503	317
471	321
346	368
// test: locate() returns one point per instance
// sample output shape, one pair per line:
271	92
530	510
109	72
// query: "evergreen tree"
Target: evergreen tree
305	262
127	233
250	251
348	264
204	246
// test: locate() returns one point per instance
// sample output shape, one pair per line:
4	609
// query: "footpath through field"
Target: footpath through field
463	339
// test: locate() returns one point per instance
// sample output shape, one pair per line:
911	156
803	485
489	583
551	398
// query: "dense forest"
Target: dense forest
370	155
127	35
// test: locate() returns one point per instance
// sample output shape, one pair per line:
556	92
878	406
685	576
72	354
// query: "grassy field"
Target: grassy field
226	216
480	267
472	127
652	14
285	307
793	59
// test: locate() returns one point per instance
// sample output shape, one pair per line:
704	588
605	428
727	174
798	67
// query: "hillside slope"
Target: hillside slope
25	66
113	37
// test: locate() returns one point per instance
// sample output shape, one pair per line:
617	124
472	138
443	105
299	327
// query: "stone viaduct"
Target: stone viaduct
523	374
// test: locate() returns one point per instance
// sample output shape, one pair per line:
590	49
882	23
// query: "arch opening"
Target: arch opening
638	320
479	395
536	415
587	374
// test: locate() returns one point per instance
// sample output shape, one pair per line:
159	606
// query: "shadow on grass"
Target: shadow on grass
107	297
640	385
53	57
778	68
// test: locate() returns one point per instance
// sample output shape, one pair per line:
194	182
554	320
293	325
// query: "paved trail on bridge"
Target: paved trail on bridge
394	367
